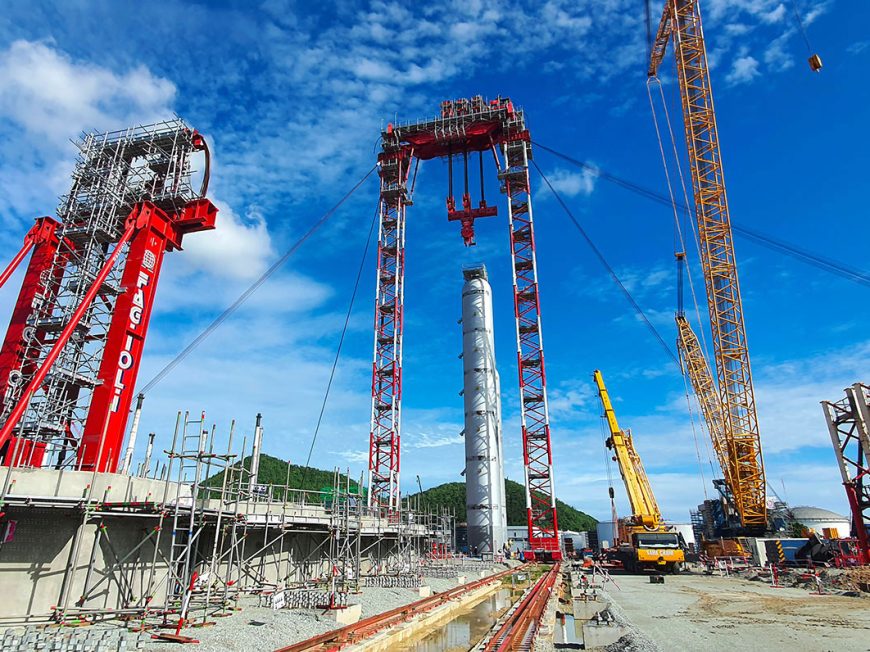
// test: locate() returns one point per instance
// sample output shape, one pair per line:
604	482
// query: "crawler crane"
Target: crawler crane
738	430
644	540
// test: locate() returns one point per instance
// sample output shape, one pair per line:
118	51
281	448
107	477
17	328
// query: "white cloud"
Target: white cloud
354	457
775	15
49	98
858	47
432	440
572	184
51	95
743	70
236	248
569	398
776	57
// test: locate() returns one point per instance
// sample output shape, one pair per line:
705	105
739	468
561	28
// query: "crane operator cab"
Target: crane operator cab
662	551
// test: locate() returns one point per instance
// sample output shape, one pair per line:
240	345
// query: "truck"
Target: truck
644	541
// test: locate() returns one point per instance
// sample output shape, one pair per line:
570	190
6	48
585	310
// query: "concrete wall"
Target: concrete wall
34	562
55	538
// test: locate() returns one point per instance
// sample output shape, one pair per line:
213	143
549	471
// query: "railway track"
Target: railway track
338	638
516	630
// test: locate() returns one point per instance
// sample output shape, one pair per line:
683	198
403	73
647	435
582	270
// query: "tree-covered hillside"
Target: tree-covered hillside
452	496
274	472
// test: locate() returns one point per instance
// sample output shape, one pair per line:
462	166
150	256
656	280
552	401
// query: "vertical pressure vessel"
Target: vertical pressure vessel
484	465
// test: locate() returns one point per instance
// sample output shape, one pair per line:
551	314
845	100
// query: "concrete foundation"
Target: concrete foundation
349	615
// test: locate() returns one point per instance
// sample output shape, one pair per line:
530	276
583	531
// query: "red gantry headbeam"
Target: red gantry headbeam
463	128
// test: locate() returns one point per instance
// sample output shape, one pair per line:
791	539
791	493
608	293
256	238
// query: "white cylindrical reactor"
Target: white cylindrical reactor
484	464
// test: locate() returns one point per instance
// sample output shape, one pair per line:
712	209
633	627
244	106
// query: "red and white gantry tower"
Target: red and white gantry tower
463	128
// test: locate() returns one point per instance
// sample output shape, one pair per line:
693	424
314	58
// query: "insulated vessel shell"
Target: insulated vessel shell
484	462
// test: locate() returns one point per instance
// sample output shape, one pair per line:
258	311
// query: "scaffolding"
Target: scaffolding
190	536
115	172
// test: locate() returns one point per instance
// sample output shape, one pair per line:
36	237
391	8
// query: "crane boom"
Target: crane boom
681	21
644	508
695	366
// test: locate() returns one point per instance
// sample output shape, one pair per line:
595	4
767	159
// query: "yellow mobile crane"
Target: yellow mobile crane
737	425
644	540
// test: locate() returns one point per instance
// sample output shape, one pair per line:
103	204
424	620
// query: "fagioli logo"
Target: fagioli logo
126	360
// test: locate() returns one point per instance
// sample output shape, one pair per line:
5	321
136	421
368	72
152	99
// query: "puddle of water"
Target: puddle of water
569	632
465	630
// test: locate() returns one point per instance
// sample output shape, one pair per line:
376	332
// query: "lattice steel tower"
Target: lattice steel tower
463	128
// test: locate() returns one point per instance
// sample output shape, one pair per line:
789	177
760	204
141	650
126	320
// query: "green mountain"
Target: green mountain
452	496
274	471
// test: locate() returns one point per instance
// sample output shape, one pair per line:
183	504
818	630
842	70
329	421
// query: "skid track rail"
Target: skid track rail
338	638
517	628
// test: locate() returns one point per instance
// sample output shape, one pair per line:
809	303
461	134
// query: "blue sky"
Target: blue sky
292	99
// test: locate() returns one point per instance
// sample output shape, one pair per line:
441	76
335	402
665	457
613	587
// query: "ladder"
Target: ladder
185	532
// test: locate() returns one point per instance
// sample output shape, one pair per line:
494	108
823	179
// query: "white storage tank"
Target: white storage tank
818	520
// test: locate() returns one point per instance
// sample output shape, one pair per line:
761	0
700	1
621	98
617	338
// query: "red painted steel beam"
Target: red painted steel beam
42	372
385	432
336	639
542	520
16	260
43	240
156	233
512	633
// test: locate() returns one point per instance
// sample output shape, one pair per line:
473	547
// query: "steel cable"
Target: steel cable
826	264
220	319
610	271
359	273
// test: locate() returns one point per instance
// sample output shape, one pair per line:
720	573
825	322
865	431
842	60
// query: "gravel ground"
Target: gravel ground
635	640
722	614
260	628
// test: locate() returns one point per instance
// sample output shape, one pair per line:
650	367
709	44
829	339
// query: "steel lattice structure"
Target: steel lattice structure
696	367
384	442
682	21
849	426
463	126
71	354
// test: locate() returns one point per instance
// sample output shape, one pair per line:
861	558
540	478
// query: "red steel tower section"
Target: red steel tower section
464	127
849	426
537	451
384	439
72	352
37	285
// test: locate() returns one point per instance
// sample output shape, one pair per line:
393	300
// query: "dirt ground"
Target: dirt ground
704	613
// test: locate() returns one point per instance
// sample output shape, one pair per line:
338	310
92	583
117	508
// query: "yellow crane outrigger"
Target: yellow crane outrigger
644	540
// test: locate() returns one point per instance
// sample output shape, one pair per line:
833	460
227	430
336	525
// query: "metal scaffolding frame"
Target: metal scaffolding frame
209	537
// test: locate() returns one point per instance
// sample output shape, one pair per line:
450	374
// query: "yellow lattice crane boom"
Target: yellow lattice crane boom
681	22
695	366
644	508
